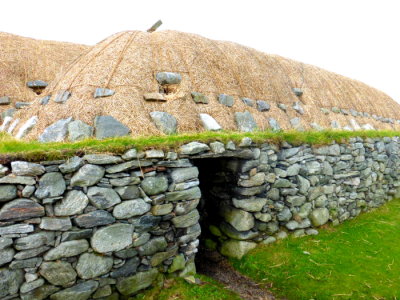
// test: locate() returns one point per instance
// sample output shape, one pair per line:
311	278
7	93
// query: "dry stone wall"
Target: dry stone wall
107	226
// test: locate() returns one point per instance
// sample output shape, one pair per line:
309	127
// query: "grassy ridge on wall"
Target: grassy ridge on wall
11	148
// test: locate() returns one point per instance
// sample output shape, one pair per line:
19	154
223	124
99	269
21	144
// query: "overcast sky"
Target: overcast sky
356	38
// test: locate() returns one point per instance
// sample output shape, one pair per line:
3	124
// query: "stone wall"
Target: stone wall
105	227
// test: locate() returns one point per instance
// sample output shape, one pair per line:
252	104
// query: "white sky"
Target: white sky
356	38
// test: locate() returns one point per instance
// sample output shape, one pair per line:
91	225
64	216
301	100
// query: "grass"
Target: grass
359	259
178	288
32	150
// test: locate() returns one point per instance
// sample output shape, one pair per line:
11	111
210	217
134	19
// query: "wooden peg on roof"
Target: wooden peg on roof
155	26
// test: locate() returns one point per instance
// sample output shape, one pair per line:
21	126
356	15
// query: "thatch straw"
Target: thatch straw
25	59
127	63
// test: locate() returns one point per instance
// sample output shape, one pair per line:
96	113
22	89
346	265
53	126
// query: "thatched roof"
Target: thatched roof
128	62
24	59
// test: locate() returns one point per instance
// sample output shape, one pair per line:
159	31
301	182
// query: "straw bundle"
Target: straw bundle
25	59
127	63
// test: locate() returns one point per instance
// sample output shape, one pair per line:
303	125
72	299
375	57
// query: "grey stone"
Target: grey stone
182	174
5	242
131	208
92	265
29	286
154	245
103	198
274	124
154	185
154	153
325	111
133	164
6	255
58	273
209	123
297	107
102	292
165	122
142	239
236	249
62	97
71	165
16	229
12	179
107	126
43	238
333	150
263	217
168	78
45	100
78	130
125	181
303	184
297	91
250	204
72	204
245	121
284	215
128	269
67	249
193	148
103	92
81	291
112	238
127	253
128	192
232	233
57	224
226	100
21	209
162	209
7	192
56	132
76	235
26	127
184	207
10	281
240	220
296	200
94	218
23	168
102	159
154	97
5	100
190	194
132	284
36	84
319	216
199	98
248	101
256	180
262	105
293	170
187	220
130	154
40	293
316	126
50	185
28	191
296	124
217	147
282	106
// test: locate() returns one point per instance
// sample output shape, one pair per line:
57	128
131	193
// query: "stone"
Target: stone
50	185
26	127
21	209
354	124
76	235
12	179
102	292
103	92
303	184
29	286
13	125
240	220
71	165
154	97
325	111
245	121
250	204
282	106
236	249
10	281
296	200
263	217
56	132
130	154
6	122
6	255
187	220
256	180
319	216
7	192
293	170
232	233
162	209
26	263
284	215
193	148
73	203
94	218
332	150
297	91
128	192
125	181
5	100
159	257
23	168
199	98
316	126
226	100
274	124
296	124
132	284
131	208
182	174
178	263
5	242
182	208
28	191
154	153
103	198
297	107
58	273
57	224
133	164
154	185
91	265
246	142
128	269
165	122
16	229
154	245
43	238
81	291
40	293
102	159
107	127
45	100
112	238
190	194
209	123
78	130
168	78
67	249
62	97
217	147
262	105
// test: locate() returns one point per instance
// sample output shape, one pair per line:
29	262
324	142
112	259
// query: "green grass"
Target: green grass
359	259
179	289
31	150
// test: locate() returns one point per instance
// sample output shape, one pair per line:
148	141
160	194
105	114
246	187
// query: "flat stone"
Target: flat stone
94	218
319	216
104	291
128	192
209	123
7	192
40	293
72	204
16	229
199	98
5	100
87	175
12	179
297	91
107	126
50	185
126	253
57	224
21	209
226	100
296	200
256	180
26	127
250	204
236	249
103	198
13	125
5	242
26	263
128	269
91	265
162	209
232	233
245	121
190	194
241	220
102	159
10	281
76	235
263	106
165	122
6	255
45	100
67	249
133	164
168	78
29	286
56	132
282	106
81	291
298	107
154	185
274	124
37	84
184	207
316	126
58	273
193	148
62	97
154	153
44	238
103	92
112	238
131	208
182	174
28	191
71	165
78	130
187	220
23	168
132	284
154	97
160	257
248	101
154	245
